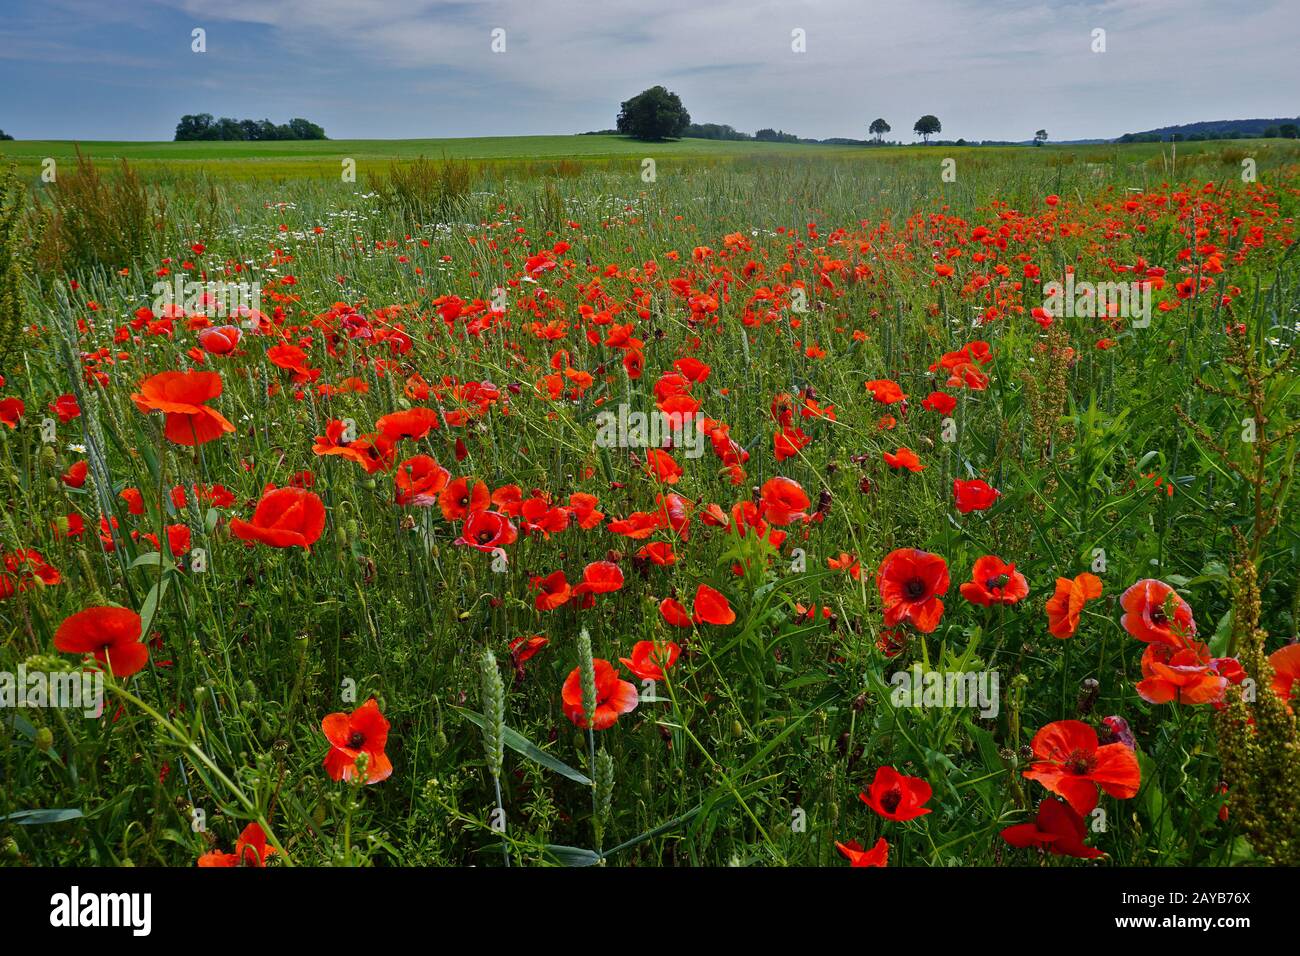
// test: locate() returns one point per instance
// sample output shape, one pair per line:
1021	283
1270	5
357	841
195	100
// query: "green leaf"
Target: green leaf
31	818
152	559
1222	634
571	855
149	609
522	745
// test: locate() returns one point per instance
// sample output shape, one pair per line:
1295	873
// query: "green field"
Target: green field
322	157
548	154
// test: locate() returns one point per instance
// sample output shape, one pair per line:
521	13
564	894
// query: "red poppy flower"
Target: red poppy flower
373	452
672	611
600	577
1057	829
412	423
1153	611
181	396
75	477
637	526
910	582
487	531
523	649
1183	674
649	661
11	411
66	407
660	466
111	634
284	518
134	501
614	697
178	539
846	562
220	340
940	402
783	500
885	391
994	582
903	458
584	510
897	797
251	849
1065	606
552	591
419	481
28	568
364	731
878	855
540	518
1072	765
1286	670
458	499
975	495
788	441
711	607
660	552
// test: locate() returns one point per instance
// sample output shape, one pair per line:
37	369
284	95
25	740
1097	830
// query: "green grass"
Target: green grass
322	159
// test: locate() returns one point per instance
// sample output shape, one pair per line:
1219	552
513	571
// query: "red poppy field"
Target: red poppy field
796	512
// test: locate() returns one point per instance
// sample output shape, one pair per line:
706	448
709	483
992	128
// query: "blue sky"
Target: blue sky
996	69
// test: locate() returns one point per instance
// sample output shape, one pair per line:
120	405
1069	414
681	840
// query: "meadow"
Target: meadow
371	579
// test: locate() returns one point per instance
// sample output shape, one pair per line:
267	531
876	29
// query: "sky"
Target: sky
386	69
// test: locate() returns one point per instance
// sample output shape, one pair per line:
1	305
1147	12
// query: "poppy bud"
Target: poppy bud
1088	691
44	739
1115	730
48	459
9	848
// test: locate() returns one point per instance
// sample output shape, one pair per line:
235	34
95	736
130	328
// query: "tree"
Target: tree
878	129
927	126
193	127
1289	131
229	129
303	129
654	114
4	135
1040	137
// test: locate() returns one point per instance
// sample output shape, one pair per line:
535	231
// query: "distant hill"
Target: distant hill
1217	129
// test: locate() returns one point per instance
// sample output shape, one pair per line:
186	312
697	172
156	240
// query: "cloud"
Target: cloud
994	69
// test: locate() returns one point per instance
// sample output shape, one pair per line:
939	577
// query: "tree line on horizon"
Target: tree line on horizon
202	127
657	114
